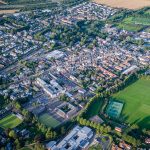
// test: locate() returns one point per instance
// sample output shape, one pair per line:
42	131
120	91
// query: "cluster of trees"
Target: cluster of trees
81	32
97	147
64	97
135	142
30	64
19	25
120	16
4	100
146	132
69	3
98	127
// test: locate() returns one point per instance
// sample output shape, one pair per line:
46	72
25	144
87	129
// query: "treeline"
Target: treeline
68	3
104	129
98	127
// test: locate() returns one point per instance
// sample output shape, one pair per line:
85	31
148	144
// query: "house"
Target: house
118	129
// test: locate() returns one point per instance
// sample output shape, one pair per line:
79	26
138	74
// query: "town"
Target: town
53	63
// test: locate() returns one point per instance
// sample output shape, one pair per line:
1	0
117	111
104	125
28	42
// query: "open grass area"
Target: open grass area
10	121
135	23
130	27
137	20
94	109
136	98
26	148
48	120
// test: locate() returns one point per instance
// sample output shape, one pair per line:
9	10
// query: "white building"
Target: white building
55	54
78	138
53	88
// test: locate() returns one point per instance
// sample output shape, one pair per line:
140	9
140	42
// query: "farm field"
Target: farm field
48	120
11	11
10	121
136	98
129	4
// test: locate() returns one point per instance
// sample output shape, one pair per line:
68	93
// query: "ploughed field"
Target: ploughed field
136	99
130	4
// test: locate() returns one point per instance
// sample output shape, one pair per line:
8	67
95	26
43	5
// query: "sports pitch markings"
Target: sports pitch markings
10	121
48	120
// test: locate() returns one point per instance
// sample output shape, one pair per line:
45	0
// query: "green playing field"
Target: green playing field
48	120
136	98
10	121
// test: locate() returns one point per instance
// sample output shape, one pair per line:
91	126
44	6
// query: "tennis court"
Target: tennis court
114	109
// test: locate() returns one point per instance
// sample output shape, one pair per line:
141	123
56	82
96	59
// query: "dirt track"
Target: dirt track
130	4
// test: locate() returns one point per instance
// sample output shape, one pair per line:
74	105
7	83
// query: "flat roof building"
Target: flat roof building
55	54
78	138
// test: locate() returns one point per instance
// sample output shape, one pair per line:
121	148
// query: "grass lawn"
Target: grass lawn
48	120
134	23
130	27
94	109
26	148
136	98
10	121
137	20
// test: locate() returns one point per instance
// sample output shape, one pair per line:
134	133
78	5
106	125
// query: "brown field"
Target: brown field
8	11
130	4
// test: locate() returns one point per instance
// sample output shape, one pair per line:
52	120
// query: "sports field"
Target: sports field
136	98
48	120
135	23
10	121
114	109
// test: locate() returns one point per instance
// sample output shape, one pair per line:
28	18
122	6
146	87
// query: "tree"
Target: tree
62	130
48	134
134	126
87	123
12	134
39	146
17	143
17	106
